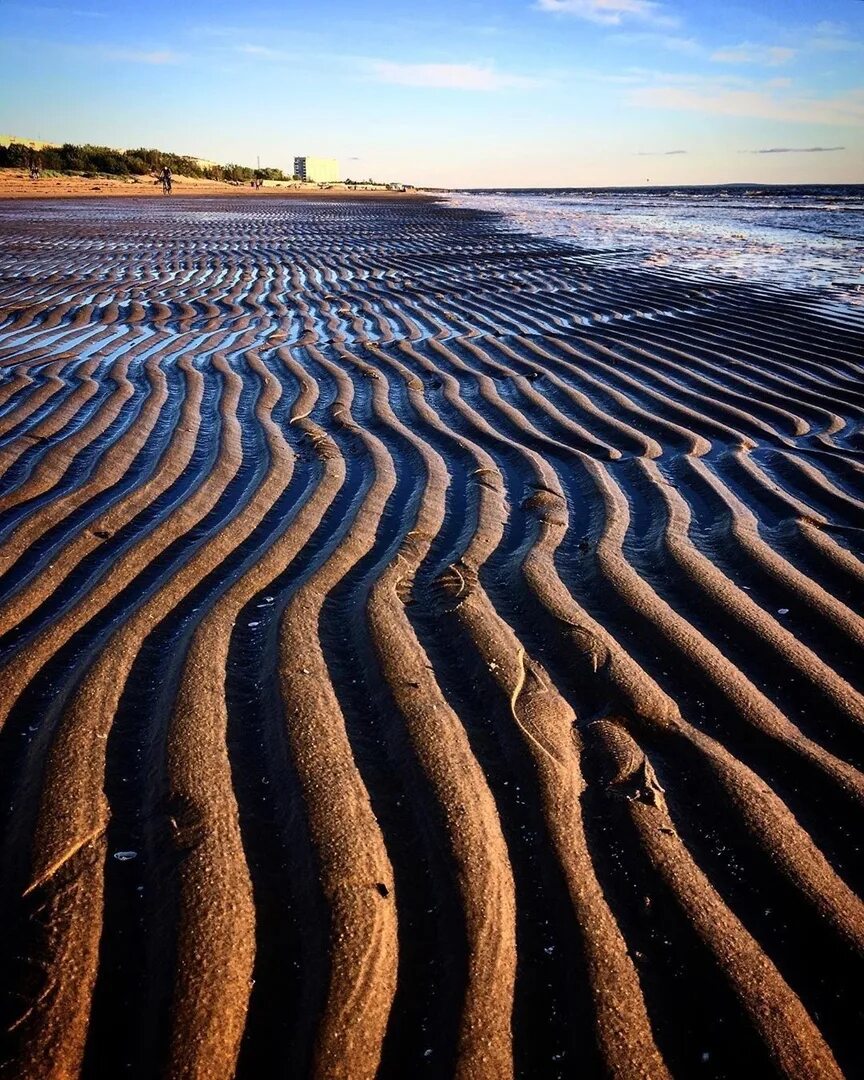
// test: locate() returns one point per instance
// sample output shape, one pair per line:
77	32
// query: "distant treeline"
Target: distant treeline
69	158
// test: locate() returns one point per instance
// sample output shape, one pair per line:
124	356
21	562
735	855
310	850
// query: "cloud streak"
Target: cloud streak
765	55
833	37
53	12
143	56
655	39
842	110
796	150
610	12
264	51
660	153
482	78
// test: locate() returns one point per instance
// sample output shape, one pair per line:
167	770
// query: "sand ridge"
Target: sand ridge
422	648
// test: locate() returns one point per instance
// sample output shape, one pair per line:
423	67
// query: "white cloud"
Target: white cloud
142	56
481	77
770	55
695	80
265	52
610	12
671	42
53	12
835	29
843	110
833	37
212	30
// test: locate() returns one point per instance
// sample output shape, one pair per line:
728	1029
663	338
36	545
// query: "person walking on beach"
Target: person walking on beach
167	180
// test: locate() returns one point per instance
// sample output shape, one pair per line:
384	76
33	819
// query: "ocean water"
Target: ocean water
805	238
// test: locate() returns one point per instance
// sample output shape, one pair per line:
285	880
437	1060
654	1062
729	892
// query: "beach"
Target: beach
427	647
17	184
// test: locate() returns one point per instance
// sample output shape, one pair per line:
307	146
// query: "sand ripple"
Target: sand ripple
422	649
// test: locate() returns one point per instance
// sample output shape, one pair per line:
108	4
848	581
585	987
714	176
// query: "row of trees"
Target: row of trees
69	158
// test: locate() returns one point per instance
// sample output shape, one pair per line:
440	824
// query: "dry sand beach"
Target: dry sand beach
16	184
425	650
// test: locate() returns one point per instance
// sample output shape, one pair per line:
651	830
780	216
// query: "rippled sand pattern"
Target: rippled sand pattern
425	651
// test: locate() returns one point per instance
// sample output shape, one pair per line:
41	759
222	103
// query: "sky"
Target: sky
454	93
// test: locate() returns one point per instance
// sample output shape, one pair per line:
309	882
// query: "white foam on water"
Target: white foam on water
806	239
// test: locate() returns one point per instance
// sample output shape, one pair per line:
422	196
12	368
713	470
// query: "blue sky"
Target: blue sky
473	93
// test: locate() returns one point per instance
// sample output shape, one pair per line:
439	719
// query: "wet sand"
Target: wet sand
424	649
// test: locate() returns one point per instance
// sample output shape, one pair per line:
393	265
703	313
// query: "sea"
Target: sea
805	238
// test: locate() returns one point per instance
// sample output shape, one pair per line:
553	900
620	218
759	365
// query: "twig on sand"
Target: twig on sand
514	697
455	570
520	682
61	861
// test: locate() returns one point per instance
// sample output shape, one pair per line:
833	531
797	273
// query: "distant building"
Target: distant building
19	140
320	170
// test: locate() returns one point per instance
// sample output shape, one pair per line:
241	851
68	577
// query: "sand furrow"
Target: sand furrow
454	775
73	816
16	674
793	1039
546	722
111	468
356	876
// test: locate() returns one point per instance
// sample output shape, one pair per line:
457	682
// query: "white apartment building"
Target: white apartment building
317	169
